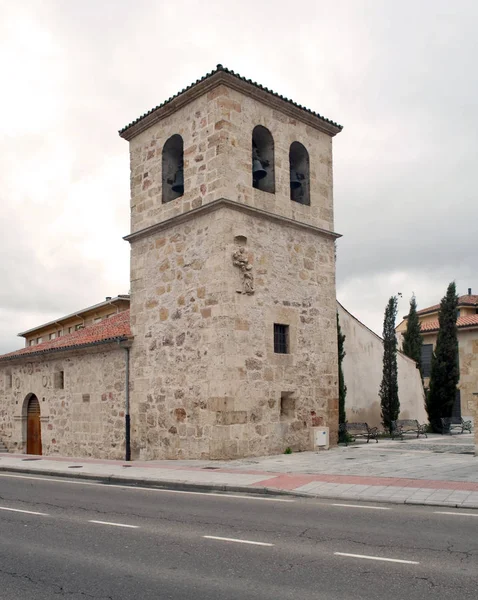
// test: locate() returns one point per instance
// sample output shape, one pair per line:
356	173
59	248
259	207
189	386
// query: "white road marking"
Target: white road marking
148	489
224	539
394	560
115	524
27	512
363	506
458	514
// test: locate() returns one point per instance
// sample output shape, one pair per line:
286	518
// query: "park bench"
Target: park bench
449	423
402	426
356	430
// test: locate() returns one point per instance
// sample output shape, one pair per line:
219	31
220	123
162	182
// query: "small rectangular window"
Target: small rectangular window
52	336
287	406
86	397
31	343
97	319
60	333
8	380
59	380
39	340
427	352
70	329
281	338
80	326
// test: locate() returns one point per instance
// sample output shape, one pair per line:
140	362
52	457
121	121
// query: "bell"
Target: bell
294	181
258	171
178	185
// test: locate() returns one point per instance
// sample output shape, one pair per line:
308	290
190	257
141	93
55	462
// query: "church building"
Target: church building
227	345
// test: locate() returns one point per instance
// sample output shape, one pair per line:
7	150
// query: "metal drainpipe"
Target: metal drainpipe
126	416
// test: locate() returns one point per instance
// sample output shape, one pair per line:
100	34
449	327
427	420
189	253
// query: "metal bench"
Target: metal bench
450	423
402	426
356	430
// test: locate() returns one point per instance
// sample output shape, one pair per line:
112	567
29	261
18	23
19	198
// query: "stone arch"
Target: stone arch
32	424
173	168
299	173
263	167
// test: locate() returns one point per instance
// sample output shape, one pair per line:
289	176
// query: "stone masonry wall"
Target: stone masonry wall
206	380
217	134
468	384
468	359
85	418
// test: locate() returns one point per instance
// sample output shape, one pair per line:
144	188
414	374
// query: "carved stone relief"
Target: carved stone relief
240	260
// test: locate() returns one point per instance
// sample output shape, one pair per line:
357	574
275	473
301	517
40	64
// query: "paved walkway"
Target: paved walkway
440	471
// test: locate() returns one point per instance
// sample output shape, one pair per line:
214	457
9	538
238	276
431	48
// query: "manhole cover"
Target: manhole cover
25	459
75	467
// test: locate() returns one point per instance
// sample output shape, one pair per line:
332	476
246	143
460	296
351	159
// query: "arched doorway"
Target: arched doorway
33	426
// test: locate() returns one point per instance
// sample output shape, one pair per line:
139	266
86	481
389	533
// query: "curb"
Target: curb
159	483
222	488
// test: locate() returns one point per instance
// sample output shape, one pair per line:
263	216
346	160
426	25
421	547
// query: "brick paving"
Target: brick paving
440	471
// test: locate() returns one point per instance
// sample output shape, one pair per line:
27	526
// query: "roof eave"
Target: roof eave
78	313
72	348
231	80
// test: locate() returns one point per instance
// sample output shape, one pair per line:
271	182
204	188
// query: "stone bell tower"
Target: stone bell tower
232	273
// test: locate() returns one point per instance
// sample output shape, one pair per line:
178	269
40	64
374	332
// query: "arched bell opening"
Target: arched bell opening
173	168
31	410
263	172
299	173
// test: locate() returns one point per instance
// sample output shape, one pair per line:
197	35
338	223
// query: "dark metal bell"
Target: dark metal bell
295	181
178	185
258	171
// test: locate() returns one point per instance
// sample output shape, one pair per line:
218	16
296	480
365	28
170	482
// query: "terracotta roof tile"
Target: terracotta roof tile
467	300
113	328
218	69
465	321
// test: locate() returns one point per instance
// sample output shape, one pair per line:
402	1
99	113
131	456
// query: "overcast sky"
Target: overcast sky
400	76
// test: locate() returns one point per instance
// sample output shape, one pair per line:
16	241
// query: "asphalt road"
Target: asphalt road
84	540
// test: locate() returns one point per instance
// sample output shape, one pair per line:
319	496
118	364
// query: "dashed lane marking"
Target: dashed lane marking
27	512
363	506
115	524
394	560
457	514
224	539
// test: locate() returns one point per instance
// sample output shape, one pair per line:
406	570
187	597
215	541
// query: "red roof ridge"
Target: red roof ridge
113	328
465	300
461	322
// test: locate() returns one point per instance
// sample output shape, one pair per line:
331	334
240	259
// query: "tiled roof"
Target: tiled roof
218	69
467	300
79	313
461	322
113	328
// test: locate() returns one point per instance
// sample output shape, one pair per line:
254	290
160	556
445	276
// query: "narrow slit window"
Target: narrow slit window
173	169
263	175
281	338
299	173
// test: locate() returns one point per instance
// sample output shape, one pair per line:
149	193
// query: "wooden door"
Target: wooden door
33	427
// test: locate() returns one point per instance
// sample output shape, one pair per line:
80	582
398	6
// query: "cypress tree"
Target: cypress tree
412	338
445	371
389	386
342	386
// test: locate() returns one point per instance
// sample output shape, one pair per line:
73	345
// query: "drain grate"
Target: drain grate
26	459
211	468
75	467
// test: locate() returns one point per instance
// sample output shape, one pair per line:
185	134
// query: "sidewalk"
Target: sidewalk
439	471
